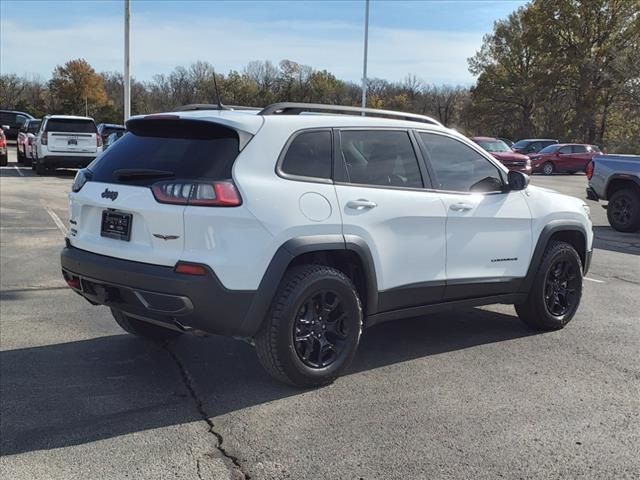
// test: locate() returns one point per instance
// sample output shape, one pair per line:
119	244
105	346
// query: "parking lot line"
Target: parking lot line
594	280
18	170
55	218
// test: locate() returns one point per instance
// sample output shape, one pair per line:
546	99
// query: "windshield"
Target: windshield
549	149
493	146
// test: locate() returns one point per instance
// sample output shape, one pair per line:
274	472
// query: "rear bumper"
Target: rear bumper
158	293
66	161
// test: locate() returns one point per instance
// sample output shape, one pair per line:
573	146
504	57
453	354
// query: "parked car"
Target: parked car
532	145
506	156
25	138
106	129
616	178
65	141
113	137
11	121
563	157
295	231
4	155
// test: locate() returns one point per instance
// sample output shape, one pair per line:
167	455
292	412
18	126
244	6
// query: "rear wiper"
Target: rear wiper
135	173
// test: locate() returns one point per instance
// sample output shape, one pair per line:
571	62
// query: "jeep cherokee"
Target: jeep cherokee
296	226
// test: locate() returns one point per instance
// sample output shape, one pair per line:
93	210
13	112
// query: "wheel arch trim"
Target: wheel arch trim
552	228
292	249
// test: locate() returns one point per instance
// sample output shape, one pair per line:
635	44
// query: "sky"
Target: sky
430	39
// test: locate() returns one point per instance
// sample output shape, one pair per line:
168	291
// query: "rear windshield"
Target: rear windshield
187	149
71	125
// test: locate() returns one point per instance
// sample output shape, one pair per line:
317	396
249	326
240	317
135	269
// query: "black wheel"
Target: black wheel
313	328
548	168
19	154
142	328
556	291
4	161
623	211
41	169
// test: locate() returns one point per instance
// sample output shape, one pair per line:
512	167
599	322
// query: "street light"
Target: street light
127	58
366	45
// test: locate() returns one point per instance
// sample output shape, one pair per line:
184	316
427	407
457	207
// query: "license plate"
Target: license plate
72	141
116	225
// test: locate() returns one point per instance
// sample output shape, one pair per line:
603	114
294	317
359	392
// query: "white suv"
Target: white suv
295	230
65	141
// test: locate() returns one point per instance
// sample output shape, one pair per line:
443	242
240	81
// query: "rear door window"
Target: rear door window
384	158
565	150
309	155
579	149
186	149
67	125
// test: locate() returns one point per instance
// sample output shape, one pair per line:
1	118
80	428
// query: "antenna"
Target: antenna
215	85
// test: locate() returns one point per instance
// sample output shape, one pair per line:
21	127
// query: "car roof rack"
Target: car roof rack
212	106
291	108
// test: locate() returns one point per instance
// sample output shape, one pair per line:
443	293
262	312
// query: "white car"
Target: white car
65	141
294	230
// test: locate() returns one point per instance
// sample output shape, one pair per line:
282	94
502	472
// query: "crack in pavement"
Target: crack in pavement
33	289
190	384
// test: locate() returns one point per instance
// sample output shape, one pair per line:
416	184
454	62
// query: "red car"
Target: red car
506	156
564	157
4	157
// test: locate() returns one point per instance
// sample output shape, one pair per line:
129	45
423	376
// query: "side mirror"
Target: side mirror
517	180
6	127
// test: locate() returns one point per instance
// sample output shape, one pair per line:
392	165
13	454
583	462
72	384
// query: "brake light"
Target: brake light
204	194
43	139
190	269
98	140
589	170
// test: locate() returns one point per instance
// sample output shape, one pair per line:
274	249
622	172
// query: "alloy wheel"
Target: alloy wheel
561	288
621	210
319	332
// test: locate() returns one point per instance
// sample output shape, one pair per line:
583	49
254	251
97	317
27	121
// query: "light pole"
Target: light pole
364	63
127	59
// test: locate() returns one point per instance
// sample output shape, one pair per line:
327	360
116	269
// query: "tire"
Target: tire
19	155
143	329
556	291
548	168
320	305
4	161
40	169
623	211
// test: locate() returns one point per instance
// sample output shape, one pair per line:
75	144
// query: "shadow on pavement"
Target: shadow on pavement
74	393
606	238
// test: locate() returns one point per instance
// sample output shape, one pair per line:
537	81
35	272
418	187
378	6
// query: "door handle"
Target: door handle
460	207
361	204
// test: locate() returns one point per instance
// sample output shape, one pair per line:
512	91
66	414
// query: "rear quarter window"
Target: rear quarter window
308	155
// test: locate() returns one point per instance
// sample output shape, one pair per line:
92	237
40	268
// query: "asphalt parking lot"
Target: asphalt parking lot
467	394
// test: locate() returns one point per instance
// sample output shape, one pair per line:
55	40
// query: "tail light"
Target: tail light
98	140
589	170
43	139
205	194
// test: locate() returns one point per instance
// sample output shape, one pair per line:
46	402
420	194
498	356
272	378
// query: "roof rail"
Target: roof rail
290	108
212	106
